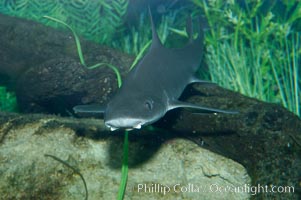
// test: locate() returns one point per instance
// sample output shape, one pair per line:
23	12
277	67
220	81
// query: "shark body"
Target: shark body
154	86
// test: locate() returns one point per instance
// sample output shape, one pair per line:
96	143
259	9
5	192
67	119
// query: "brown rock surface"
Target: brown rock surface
179	166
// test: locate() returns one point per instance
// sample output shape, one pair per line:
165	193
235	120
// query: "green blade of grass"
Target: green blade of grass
80	53
76	38
296	78
119	80
125	167
140	54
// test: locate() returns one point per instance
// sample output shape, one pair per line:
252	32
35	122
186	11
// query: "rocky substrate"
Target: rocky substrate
179	169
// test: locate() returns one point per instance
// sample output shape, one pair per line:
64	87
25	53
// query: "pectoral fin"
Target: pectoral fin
89	109
202	109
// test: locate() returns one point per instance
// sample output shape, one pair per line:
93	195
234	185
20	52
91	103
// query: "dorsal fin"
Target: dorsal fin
155	38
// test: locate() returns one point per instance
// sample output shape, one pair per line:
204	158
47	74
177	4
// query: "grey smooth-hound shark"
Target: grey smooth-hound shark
155	84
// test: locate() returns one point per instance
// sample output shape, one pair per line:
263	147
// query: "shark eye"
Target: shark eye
149	104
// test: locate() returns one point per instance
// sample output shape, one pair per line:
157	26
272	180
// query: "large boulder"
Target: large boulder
170	169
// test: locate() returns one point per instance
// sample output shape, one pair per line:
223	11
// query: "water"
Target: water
251	47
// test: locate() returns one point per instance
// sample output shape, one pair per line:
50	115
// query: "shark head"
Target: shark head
133	111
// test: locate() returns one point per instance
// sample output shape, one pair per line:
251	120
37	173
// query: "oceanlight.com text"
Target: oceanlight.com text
252	189
214	188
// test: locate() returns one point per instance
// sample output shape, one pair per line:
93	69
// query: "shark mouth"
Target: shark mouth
112	128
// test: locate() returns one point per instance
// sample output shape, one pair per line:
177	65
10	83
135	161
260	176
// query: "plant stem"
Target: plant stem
125	167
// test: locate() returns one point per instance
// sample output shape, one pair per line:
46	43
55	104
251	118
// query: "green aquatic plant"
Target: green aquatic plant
80	52
125	167
114	68
136	40
287	77
102	18
8	101
76	38
253	49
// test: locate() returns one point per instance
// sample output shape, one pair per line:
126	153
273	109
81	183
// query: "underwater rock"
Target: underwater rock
57	85
42	65
26	43
190	172
264	137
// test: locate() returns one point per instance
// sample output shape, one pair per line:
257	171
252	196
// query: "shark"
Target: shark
153	87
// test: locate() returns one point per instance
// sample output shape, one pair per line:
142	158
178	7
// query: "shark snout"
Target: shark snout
127	124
